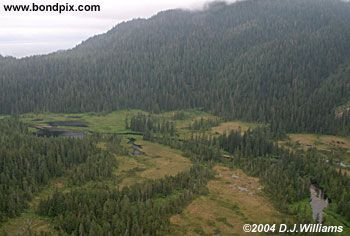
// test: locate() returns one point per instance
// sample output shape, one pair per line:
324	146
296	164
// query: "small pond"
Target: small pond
318	203
72	123
54	132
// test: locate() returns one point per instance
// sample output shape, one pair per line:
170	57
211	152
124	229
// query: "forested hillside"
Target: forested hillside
285	62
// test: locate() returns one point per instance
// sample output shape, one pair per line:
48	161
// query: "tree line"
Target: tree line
283	62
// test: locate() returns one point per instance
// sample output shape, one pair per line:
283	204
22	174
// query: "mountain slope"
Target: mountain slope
265	60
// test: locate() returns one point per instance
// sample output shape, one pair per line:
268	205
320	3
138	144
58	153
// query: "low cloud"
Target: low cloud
28	33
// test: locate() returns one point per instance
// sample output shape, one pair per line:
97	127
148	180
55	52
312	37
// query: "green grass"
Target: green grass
157	162
113	122
347	157
182	125
28	221
321	142
110	123
331	218
234	126
338	146
302	207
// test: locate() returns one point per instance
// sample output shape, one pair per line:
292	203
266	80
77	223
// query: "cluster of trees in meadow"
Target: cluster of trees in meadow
163	130
257	142
150	125
142	209
203	124
283	62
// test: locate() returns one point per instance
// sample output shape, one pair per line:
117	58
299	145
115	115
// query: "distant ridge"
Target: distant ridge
285	62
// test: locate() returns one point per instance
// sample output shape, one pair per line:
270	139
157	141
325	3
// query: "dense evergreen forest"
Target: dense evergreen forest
28	163
138	210
285	62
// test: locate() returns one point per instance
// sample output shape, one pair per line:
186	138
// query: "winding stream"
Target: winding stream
318	203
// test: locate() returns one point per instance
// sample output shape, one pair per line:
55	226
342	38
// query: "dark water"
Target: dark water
68	123
318	203
54	132
136	148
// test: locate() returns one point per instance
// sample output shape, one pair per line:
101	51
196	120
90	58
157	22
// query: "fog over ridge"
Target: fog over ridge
34	33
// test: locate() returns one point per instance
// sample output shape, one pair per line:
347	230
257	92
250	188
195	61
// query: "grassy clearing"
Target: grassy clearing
321	142
27	222
166	161
331	218
339	146
189	116
234	199
234	126
157	162
346	171
110	123
113	122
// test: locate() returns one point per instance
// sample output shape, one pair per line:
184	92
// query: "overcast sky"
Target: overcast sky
23	34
